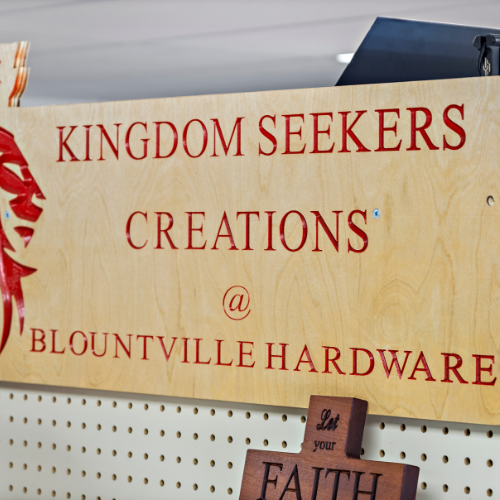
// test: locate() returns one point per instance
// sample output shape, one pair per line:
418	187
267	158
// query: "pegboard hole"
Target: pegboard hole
195	436
195	487
381	453
230	491
382	426
248	414
212	412
230	465
146	480
178	434
489	463
247	441
212	437
162	482
362	451
423	457
162	433
99	402
303	419
162	408
68	401
113	453
129	454
402	427
179	409
266	442
195	411
84	402
146	432
146	406
130	405
229	439
490	435
402	455
98	475
212	488
466	490
445	430
68	447
284	418
129	479
445	459
230	413
490	201
467	461
162	458
195	461
178	484
467	432
212	463
146	456
266	416
445	488
178	459
489	492
423	428
84	449
284	444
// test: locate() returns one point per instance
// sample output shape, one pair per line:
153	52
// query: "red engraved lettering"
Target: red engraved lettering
71	343
191	229
144	344
54	350
270	357
316	133
247	227
185	135
158	139
63	143
355	361
197	359
243	353
320	220
305	352
92	344
144	142
425	368
454	126
219	362
334	360
127	230
270	232
35	340
480	369
282	231
87	142
394	362
382	129
225	147
167	354
118	340
105	135
185	349
454	368
421	130
228	235
164	231
288	133
268	135
347	131
358	231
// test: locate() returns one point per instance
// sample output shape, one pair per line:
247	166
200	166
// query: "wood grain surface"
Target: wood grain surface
418	279
328	466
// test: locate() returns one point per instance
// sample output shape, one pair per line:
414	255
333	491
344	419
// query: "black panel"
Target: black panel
399	50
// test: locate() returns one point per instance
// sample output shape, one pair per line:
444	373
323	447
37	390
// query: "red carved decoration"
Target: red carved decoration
23	207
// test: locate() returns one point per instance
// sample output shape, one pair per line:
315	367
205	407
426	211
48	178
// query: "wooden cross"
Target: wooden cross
328	467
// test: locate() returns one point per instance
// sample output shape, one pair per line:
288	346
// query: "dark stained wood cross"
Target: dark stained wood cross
328	467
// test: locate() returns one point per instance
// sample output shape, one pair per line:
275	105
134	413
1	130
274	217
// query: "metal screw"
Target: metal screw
376	213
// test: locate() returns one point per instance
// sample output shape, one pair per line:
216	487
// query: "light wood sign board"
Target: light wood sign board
258	247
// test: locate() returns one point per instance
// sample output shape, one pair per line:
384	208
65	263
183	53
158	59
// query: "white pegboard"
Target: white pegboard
81	444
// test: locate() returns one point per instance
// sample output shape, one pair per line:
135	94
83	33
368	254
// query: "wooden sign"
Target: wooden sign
328	466
257	247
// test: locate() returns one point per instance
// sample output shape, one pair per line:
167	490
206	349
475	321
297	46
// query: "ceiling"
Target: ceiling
97	50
